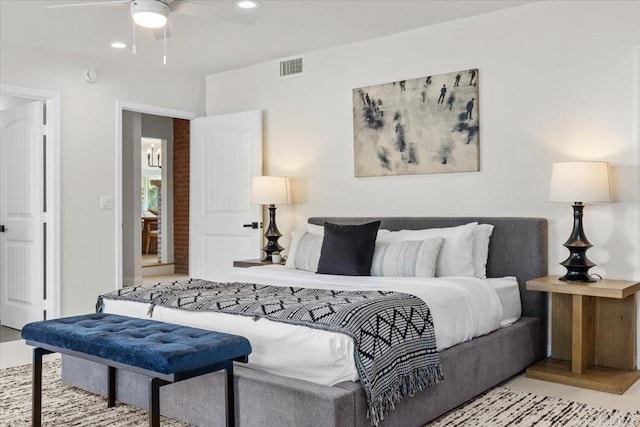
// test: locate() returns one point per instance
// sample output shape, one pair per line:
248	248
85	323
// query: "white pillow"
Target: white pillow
456	255
411	258
291	252
304	253
481	238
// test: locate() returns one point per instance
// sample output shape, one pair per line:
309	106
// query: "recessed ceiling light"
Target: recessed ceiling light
248	4
118	45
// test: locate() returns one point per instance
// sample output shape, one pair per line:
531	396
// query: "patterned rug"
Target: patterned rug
501	407
65	405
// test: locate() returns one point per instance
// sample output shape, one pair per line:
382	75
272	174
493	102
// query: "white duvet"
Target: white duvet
462	308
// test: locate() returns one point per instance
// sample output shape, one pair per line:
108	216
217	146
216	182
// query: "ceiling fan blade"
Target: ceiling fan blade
96	3
223	11
242	17
158	33
193	9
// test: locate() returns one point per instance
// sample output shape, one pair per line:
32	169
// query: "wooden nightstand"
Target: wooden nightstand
593	335
251	263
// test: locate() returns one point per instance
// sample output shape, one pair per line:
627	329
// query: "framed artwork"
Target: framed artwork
425	125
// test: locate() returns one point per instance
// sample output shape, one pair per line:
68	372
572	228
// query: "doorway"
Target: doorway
150	208
155	204
29	206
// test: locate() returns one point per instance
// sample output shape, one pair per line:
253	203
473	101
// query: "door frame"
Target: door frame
51	99
637	149
136	107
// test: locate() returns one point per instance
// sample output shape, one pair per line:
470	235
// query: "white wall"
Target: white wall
88	152
556	83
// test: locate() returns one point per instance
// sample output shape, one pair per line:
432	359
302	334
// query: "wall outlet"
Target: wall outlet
106	203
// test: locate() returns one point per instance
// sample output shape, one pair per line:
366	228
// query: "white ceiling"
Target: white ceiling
204	45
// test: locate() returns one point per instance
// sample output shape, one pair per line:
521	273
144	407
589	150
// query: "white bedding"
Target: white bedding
462	308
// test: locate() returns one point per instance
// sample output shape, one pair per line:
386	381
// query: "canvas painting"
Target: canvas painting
425	125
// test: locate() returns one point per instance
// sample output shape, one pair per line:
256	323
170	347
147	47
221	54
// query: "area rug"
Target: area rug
64	405
500	407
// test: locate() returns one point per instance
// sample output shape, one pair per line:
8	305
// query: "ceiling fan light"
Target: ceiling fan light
118	45
149	13
248	4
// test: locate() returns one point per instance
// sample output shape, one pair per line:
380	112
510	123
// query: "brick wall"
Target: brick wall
181	196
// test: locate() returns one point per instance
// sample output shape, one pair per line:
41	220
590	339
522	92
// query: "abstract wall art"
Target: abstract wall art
424	125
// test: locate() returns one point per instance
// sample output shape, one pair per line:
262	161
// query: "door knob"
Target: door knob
253	225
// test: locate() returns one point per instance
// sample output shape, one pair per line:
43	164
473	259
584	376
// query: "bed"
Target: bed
518	248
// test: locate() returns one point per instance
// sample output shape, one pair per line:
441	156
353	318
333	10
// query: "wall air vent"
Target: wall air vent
291	67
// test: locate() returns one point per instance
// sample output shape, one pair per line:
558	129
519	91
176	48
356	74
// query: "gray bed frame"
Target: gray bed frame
518	248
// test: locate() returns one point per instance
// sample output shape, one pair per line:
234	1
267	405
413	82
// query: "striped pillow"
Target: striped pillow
307	253
410	258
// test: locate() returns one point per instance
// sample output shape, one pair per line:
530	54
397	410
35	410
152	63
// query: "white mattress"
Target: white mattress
462	308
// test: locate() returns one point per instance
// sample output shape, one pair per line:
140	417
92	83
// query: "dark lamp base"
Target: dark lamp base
577	264
272	235
578	277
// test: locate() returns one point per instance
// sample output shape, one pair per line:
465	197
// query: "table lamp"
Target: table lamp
579	182
272	191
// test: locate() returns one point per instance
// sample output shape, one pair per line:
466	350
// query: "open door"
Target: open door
226	152
22	258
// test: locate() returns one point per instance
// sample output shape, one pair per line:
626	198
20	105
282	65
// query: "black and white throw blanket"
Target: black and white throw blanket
395	345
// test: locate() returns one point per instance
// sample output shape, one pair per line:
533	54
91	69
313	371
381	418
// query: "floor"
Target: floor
149	259
8	334
630	401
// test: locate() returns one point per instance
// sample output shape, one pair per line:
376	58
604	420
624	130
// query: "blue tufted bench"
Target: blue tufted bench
164	352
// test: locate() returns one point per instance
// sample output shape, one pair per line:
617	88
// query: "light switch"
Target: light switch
106	203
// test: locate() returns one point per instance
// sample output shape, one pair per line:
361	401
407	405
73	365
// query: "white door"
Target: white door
21	213
226	152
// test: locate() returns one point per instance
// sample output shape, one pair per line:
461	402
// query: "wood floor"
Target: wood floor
149	259
8	334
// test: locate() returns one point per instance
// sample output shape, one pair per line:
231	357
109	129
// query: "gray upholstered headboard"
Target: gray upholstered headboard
518	248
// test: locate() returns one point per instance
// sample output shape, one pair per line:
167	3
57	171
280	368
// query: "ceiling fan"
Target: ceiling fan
155	13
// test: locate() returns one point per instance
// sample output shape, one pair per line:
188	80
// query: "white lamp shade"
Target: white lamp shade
150	13
580	182
270	190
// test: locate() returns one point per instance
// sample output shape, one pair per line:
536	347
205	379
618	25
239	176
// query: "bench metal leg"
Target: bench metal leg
154	401
36	401
111	387
230	407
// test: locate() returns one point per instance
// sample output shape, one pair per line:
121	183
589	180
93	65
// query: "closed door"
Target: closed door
226	152
22	204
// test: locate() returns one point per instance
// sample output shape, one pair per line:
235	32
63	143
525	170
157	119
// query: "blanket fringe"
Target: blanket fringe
100	305
407	385
150	310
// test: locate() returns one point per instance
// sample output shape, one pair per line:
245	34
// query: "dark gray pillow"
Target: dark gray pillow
348	249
